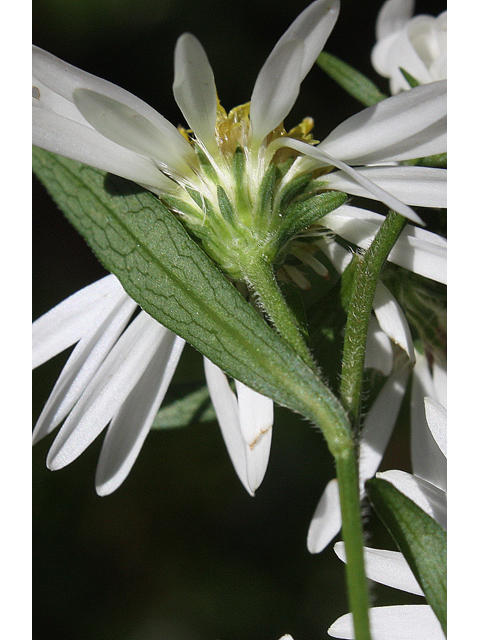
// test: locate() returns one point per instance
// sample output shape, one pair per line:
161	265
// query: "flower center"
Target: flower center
245	204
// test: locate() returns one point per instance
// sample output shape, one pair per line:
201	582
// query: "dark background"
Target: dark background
180	551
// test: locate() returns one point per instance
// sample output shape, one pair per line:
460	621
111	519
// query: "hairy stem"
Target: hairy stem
261	279
358	316
329	416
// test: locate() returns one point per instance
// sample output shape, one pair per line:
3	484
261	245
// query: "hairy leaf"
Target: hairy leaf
353	81
171	278
195	406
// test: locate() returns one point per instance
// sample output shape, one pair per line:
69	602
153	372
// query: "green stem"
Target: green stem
261	278
352	533
333	421
329	416
358	317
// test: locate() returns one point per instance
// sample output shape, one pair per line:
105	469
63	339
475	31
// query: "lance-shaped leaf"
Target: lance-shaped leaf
422	541
353	81
193	407
171	278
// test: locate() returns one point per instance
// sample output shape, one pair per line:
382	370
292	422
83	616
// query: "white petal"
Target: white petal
194	89
442	24
379	350
256	420
44	98
437	421
440	381
226	408
76	316
278	82
76	141
403	50
327	519
393	15
420	186
389	55
257	458
129	428
428	462
64	79
338	255
402	622
107	390
325	159
84	362
427	496
313	27
274	94
392	319
379	424
128	128
311	261
416	249
255	413
422	32
409	125
386	567
438	67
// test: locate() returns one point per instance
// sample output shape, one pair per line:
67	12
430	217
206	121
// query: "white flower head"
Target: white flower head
416	44
243	184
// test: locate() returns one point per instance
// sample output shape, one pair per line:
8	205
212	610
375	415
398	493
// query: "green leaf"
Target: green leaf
422	541
438	160
354	82
267	191
300	215
413	82
171	278
194	407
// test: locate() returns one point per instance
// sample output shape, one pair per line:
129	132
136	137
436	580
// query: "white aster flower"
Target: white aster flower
118	375
213	175
409	622
416	44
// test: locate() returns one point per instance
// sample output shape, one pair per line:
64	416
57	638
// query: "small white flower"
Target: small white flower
118	375
412	622
416	44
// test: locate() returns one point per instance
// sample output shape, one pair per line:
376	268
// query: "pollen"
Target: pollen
233	129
